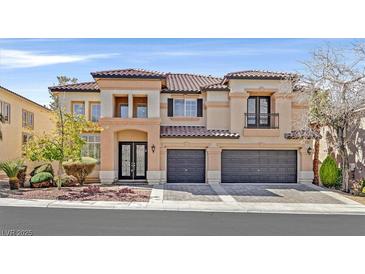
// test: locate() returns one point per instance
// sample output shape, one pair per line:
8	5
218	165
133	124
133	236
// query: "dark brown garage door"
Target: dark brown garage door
185	166
259	166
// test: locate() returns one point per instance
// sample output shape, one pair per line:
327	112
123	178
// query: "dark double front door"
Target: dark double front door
132	160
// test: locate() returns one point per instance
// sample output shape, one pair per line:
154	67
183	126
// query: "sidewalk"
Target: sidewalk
225	203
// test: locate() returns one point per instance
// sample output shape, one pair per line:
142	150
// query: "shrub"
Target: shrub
42	168
68	180
80	169
329	173
41	177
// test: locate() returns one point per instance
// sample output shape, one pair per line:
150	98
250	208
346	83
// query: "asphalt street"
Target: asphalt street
60	221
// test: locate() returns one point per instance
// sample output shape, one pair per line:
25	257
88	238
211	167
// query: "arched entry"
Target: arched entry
132	155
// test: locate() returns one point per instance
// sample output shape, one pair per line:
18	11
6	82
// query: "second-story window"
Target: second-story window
141	111
185	107
123	110
95	112
78	108
258	108
5	111
27	119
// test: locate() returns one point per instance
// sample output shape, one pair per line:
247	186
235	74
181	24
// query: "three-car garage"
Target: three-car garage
237	166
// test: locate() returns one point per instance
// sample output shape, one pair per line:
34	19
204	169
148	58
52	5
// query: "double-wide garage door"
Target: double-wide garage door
186	166
259	166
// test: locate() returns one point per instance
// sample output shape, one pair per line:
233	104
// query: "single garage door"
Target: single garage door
185	166
259	166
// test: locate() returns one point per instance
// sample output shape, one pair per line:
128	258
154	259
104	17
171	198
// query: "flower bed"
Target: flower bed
87	193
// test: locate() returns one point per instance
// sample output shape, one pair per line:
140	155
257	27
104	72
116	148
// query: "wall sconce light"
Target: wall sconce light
153	147
309	150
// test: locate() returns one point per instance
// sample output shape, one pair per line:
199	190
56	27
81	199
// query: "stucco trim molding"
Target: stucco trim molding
129	121
239	94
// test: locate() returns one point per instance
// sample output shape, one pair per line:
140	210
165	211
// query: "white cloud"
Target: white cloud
26	59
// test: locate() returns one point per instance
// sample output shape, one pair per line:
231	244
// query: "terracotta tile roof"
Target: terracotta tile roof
196	132
129	73
218	86
85	86
302	134
188	83
260	75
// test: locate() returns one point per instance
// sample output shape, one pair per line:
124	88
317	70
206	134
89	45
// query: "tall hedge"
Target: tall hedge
329	172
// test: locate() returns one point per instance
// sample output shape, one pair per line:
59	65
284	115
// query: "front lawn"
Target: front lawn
93	192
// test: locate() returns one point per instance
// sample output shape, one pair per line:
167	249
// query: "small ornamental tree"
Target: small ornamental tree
329	172
64	144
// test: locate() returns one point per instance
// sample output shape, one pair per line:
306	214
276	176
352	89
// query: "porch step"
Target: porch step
131	182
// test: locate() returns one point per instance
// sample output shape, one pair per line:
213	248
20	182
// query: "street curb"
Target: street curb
277	208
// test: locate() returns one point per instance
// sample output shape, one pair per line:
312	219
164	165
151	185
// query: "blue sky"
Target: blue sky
30	66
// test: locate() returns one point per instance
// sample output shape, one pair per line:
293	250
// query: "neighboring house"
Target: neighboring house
356	150
23	119
187	128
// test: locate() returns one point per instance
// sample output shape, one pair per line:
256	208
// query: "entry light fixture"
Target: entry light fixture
309	150
153	147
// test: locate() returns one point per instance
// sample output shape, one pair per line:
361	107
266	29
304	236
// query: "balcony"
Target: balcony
131	107
262	120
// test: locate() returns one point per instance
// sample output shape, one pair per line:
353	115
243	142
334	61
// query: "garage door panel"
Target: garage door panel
185	166
259	166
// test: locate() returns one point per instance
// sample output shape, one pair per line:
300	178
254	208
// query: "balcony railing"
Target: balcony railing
261	120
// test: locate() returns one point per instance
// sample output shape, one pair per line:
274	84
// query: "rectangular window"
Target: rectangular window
124	110
92	146
27	119
190	108
95	112
185	107
141	111
179	107
5	111
78	108
258	108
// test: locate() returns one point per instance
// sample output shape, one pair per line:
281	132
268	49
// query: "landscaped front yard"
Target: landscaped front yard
85	193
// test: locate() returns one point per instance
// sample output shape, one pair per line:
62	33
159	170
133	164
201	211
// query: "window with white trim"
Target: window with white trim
5	111
185	107
92	146
78	108
27	119
95	112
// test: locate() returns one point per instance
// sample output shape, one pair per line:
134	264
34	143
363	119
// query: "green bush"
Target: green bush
80	169
41	177
42	168
329	172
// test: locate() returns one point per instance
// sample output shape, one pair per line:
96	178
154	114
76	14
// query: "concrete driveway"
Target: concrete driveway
251	193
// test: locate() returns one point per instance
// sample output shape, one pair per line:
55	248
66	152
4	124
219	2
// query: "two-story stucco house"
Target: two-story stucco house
23	119
187	128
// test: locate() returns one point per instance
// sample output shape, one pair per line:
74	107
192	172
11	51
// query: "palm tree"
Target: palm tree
11	169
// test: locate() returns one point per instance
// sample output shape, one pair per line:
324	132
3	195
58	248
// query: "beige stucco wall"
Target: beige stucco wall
11	145
217	110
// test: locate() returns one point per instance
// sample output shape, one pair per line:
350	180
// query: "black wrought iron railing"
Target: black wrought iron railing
261	120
